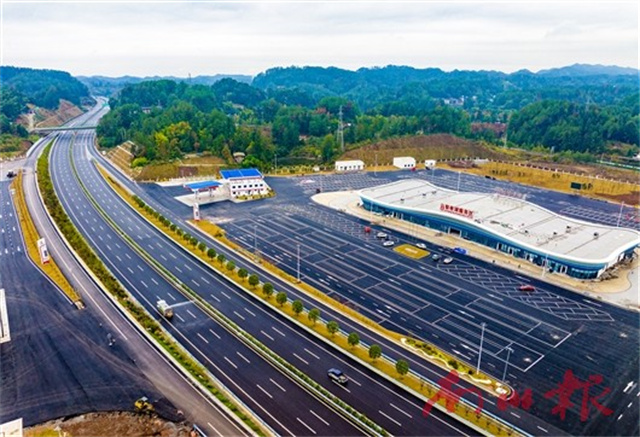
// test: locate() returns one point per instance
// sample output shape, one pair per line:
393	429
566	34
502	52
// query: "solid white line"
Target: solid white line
277	385
390	418
203	339
300	358
307	426
264	391
231	362
402	411
216	335
320	418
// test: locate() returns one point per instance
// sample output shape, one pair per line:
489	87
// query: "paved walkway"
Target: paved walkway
622	291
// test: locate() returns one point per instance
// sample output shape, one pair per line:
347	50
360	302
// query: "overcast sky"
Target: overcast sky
147	38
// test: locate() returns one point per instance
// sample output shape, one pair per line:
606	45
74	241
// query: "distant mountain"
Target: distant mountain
588	70
108	86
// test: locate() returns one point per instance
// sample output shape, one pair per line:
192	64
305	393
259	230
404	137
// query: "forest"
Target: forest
294	113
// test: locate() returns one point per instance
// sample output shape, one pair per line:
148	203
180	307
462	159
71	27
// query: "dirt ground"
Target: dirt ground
113	424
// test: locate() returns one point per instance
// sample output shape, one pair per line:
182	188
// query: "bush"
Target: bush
281	298
267	289
332	327
297	306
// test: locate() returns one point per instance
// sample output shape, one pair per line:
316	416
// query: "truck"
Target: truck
165	309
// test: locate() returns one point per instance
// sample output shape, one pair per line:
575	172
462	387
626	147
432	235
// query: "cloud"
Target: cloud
148	38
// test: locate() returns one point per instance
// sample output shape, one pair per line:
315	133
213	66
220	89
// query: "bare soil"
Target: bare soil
65	112
111	424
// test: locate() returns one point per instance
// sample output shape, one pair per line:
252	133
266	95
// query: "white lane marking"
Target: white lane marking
401	410
319	418
178	269
243	357
197	285
214	334
140	267
307	426
127	255
129	268
390	418
163	257
247	310
178	316
542	429
205	280
172	256
203	339
171	296
188	268
216	431
300	358
279	332
225	294
264	391
143	283
277	385
192	315
514	414
311	353
267	335
213	297
231	362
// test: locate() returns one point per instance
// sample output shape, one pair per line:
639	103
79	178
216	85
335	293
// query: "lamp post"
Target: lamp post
480	351
504	375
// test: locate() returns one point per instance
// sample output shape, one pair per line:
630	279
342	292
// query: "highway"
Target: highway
164	384
311	356
257	383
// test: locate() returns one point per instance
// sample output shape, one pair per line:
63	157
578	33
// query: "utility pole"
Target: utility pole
480	352
341	130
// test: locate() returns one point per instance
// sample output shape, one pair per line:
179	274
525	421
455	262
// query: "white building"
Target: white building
404	162
244	182
429	164
354	165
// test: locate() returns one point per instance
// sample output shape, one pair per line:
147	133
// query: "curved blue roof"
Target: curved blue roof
196	186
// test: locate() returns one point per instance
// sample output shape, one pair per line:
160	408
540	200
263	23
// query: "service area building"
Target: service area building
513	226
244	182
354	165
404	162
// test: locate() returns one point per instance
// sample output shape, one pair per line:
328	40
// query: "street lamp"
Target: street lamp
504	375
480	352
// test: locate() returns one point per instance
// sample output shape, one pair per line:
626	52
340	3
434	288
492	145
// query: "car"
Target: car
337	376
527	287
421	246
447	260
435	257
381	235
388	243
460	250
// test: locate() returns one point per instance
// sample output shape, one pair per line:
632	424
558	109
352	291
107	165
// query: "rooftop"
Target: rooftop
241	173
523	222
202	185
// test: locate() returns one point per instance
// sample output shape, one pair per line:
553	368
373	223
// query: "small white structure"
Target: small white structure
244	182
404	162
354	165
429	164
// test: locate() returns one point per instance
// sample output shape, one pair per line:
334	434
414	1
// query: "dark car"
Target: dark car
527	287
337	376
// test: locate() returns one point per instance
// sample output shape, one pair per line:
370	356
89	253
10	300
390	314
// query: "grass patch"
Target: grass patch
31	238
411	251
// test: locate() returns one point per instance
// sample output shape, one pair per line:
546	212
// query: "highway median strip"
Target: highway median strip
419	386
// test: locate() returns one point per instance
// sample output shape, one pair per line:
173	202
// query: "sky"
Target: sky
181	38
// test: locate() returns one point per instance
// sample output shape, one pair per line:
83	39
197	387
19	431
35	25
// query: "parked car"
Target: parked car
421	246
527	287
337	376
388	243
460	250
447	260
435	257
381	235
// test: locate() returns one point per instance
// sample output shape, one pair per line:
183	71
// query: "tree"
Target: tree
297	306
193	241
375	351
402	367
281	298
243	273
211	253
231	266
267	289
202	247
332	327
221	258
353	339
254	280
314	315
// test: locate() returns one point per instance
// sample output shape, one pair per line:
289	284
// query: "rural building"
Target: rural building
429	164
404	162
514	226
244	182
354	165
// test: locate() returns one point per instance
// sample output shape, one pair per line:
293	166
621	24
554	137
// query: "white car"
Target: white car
447	260
388	243
421	246
381	235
